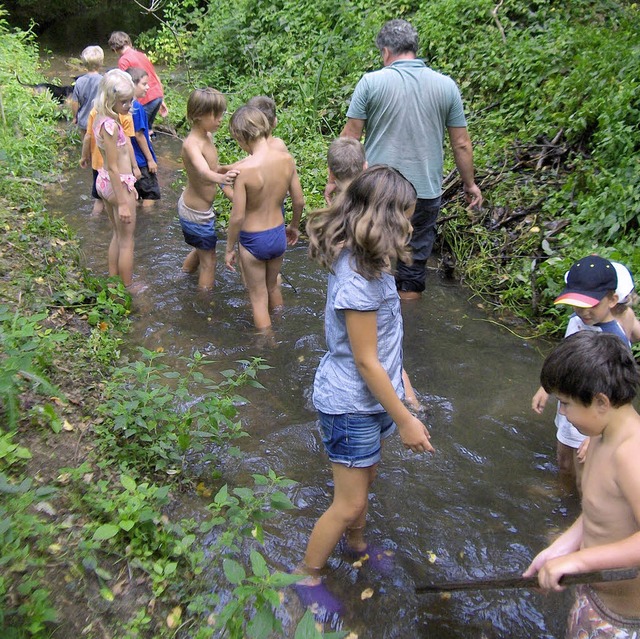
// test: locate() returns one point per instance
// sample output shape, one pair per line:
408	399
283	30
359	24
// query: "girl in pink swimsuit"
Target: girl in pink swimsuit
115	181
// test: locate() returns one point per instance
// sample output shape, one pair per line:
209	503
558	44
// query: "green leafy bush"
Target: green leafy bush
28	133
25	353
152	426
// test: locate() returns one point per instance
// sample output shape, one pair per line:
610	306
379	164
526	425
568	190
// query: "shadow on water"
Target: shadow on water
483	505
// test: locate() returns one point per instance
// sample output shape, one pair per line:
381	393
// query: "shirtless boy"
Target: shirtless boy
205	109
256	215
268	107
595	379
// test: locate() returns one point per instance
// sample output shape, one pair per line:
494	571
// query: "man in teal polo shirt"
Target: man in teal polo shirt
405	109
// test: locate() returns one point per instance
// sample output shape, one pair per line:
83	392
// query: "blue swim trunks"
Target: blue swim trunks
200	236
264	245
198	227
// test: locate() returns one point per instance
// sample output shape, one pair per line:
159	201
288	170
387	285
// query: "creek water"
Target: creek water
482	506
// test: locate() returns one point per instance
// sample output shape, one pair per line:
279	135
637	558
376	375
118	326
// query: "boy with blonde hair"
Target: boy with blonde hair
256	223
86	86
346	160
595	379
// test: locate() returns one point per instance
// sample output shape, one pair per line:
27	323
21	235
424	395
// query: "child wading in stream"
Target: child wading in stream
256	222
345	161
358	386
205	109
115	181
595	378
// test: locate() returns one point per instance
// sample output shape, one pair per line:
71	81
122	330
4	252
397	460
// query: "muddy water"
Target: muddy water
481	506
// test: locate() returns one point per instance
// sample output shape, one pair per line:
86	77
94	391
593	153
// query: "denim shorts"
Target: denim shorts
354	439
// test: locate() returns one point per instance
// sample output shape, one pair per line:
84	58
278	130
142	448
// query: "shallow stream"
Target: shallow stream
482	506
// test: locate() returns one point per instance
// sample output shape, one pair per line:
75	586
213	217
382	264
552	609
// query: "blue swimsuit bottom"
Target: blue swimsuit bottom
264	245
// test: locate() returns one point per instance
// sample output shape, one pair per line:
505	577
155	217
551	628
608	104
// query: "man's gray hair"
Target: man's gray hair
398	36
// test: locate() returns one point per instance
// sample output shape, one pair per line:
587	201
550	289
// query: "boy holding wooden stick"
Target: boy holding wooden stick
595	378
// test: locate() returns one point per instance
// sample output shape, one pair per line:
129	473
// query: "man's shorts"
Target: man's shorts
147	186
590	618
355	439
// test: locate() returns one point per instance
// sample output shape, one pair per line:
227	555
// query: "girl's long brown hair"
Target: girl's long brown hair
369	219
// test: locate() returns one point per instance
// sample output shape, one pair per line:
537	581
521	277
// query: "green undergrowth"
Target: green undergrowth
552	96
98	452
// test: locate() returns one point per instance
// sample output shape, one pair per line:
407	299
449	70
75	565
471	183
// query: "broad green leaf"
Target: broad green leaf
258	564
128	483
282	579
106	531
262	624
233	571
306	629
106	594
280	501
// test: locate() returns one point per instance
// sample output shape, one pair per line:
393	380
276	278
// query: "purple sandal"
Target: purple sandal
380	559
324	605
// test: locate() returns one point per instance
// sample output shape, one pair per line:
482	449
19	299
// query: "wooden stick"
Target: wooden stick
618	574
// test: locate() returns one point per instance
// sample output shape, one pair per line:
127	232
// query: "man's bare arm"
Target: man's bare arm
354	128
463	157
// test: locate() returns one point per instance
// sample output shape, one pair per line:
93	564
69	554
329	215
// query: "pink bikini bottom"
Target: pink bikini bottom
105	189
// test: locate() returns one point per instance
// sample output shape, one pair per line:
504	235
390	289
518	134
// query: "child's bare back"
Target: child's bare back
265	179
257	223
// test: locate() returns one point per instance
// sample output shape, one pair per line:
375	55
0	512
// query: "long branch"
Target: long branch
155	5
494	13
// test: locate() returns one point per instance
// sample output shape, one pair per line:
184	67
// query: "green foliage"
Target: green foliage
152	426
28	134
25	603
25	353
130	522
237	516
10	453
